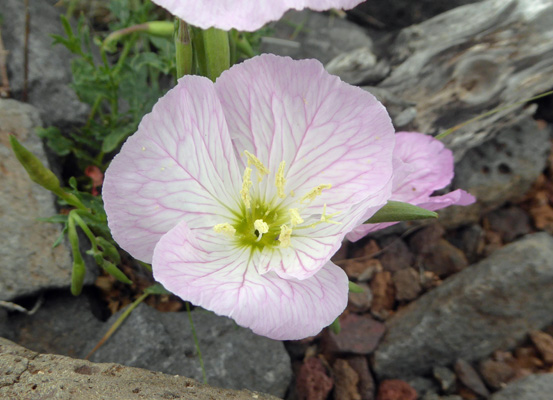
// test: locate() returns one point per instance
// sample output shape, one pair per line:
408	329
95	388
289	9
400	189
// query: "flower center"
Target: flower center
259	222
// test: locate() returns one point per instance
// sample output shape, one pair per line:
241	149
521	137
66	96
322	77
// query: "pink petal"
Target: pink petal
178	166
326	131
201	267
456	198
427	166
422	165
243	15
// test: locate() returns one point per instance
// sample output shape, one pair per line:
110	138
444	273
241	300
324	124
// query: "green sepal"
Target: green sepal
34	167
183	49
79	270
108	249
156	288
111	269
212	51
355	288
335	327
395	211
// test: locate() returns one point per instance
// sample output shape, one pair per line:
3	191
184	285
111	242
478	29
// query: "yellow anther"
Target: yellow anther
261	169
310	196
327	218
245	191
292	193
261	226
285	235
295	218
225	228
280	181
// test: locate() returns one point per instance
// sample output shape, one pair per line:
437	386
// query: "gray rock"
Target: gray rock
49	66
446	378
488	306
234	357
64	324
500	170
401	13
28	375
533	387
423	385
321	36
28	263
361	66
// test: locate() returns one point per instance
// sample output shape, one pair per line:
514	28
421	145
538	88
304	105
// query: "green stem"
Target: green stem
196	342
212	50
183	49
117	323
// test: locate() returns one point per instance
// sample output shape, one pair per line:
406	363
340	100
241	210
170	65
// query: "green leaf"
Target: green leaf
113	140
55	140
335	327
111	269
355	288
156	288
395	211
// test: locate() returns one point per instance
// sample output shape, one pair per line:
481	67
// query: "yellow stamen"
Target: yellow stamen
225	228
261	226
327	218
310	196
285	235
261	169
245	191
292	193
295	218
280	181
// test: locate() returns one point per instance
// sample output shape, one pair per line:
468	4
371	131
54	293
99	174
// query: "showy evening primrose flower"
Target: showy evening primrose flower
239	191
243	15
422	165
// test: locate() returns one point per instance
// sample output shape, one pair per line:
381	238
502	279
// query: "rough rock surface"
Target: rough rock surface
28	375
49	67
533	387
322	37
234	357
28	263
490	305
500	170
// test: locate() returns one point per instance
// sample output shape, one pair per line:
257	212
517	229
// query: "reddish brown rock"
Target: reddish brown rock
470	378
366	384
312	382
509	223
361	270
395	254
424	240
444	259
367	250
395	389
407	284
360	302
360	334
496	373
544	344
383	291
345	381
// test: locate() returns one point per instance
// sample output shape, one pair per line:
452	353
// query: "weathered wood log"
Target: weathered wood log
470	60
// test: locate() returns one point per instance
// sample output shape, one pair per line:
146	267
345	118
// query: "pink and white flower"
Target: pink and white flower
422	165
244	15
239	191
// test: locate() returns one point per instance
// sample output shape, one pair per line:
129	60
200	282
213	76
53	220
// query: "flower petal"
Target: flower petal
327	132
243	15
203	268
179	165
422	165
427	166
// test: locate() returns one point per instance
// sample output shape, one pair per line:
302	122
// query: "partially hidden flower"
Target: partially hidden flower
243	15
96	176
239	191
422	165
